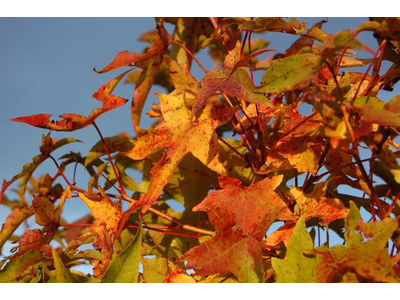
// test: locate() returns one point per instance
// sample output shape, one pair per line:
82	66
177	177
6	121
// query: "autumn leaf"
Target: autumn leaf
238	85
125	58
248	209
106	214
388	115
296	144
179	276
274	25
289	73
12	222
227	252
72	121
326	209
369	258
297	267
181	136
16	267
48	146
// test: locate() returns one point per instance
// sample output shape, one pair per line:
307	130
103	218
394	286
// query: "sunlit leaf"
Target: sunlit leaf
297	267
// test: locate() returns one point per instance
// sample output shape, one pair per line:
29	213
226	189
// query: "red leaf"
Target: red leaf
250	209
72	121
226	252
125	58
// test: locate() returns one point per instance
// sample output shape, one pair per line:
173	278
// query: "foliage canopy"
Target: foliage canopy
239	155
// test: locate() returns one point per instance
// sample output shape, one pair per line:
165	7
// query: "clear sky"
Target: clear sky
46	66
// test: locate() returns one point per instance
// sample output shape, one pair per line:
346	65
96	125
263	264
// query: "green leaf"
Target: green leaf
155	270
297	267
63	274
290	73
15	268
124	268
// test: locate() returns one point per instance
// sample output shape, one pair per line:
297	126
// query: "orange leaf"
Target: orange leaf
249	209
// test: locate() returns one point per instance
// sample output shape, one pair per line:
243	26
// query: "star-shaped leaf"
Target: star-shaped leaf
180	137
368	255
250	209
297	267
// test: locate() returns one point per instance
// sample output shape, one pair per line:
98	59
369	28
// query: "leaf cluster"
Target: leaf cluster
260	181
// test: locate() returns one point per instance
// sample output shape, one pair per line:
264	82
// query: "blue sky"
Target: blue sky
46	66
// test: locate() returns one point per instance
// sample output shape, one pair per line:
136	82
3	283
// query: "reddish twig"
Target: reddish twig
121	188
190	53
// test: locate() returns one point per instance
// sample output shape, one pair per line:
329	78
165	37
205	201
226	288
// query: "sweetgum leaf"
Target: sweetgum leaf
151	65
389	161
229	251
181	77
248	209
72	121
125	58
46	213
124	268
274	25
63	274
106	214
297	267
238	85
369	257
119	143
290	73
389	115
179	277
48	146
326	209
181	137
12	222
155	270
16	267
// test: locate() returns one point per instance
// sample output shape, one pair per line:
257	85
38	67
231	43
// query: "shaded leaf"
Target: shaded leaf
238	85
124	268
116	143
155	270
27	170
63	274
16	267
